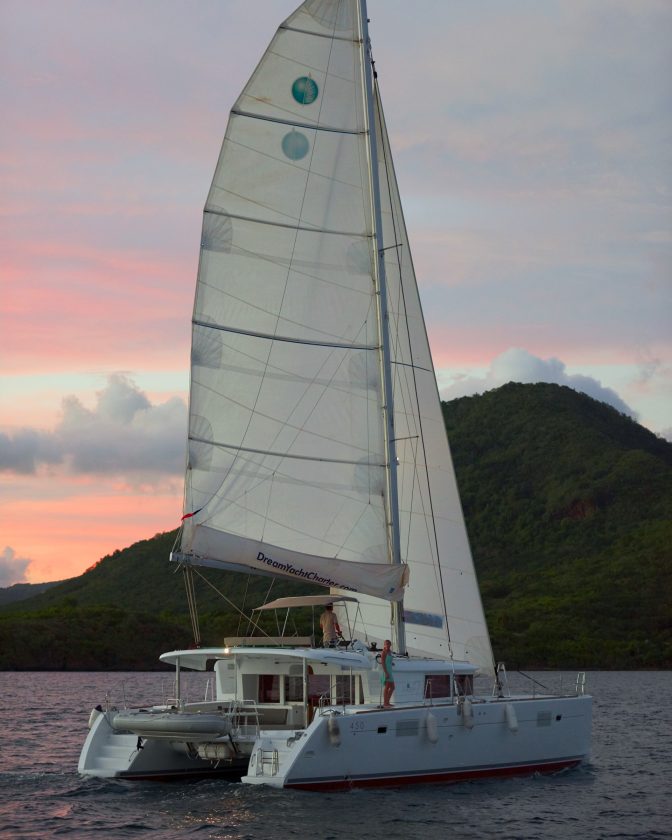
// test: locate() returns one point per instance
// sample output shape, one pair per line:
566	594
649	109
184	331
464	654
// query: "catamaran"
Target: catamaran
317	452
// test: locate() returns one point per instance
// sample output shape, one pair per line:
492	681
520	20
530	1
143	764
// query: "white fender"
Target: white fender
432	728
467	715
334	731
511	717
93	717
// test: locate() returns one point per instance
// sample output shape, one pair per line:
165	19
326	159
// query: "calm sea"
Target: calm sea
625	792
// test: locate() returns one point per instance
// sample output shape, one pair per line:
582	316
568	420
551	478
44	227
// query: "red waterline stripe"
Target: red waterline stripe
451	776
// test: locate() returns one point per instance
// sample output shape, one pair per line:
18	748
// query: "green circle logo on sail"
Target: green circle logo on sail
295	145
305	90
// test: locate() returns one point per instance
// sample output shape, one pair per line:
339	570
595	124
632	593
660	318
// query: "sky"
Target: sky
532	148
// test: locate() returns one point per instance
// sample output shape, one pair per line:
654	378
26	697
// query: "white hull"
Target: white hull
297	739
405	746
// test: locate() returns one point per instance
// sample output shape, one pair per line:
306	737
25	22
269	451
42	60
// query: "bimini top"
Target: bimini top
305	601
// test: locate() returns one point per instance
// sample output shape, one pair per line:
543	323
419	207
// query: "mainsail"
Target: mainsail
289	450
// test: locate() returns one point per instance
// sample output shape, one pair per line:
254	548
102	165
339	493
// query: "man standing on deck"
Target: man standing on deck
331	632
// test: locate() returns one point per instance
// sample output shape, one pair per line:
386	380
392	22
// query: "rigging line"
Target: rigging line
191	602
247	586
304	228
296	124
389	169
286	338
228	600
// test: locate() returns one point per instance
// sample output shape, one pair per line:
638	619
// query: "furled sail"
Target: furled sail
287	457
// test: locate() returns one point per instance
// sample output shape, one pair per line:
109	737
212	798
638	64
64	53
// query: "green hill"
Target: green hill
568	506
568	509
22	591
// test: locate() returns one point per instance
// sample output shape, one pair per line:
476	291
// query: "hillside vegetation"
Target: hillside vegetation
568	505
568	509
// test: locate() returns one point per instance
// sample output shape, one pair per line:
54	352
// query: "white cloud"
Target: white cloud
12	568
518	365
124	434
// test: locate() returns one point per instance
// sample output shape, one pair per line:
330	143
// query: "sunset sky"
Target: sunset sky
532	147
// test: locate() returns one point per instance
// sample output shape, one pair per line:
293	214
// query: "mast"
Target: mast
384	326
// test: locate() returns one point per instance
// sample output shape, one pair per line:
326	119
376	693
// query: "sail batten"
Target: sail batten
297	227
296	124
275	337
331	36
281	454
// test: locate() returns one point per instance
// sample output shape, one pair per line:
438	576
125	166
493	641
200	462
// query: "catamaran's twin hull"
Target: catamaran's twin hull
110	752
427	744
355	747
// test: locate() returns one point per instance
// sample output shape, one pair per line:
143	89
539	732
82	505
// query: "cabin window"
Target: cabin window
318	686
269	688
293	689
437	685
345	689
543	718
464	684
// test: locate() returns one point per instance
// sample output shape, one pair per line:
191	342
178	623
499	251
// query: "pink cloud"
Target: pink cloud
64	545
79	307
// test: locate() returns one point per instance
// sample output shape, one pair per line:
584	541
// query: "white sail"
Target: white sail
286	446
442	604
288	456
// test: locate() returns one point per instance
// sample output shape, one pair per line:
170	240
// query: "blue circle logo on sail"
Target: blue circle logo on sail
295	145
305	90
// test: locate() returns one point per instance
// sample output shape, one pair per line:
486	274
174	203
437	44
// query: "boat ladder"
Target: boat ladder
267	759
